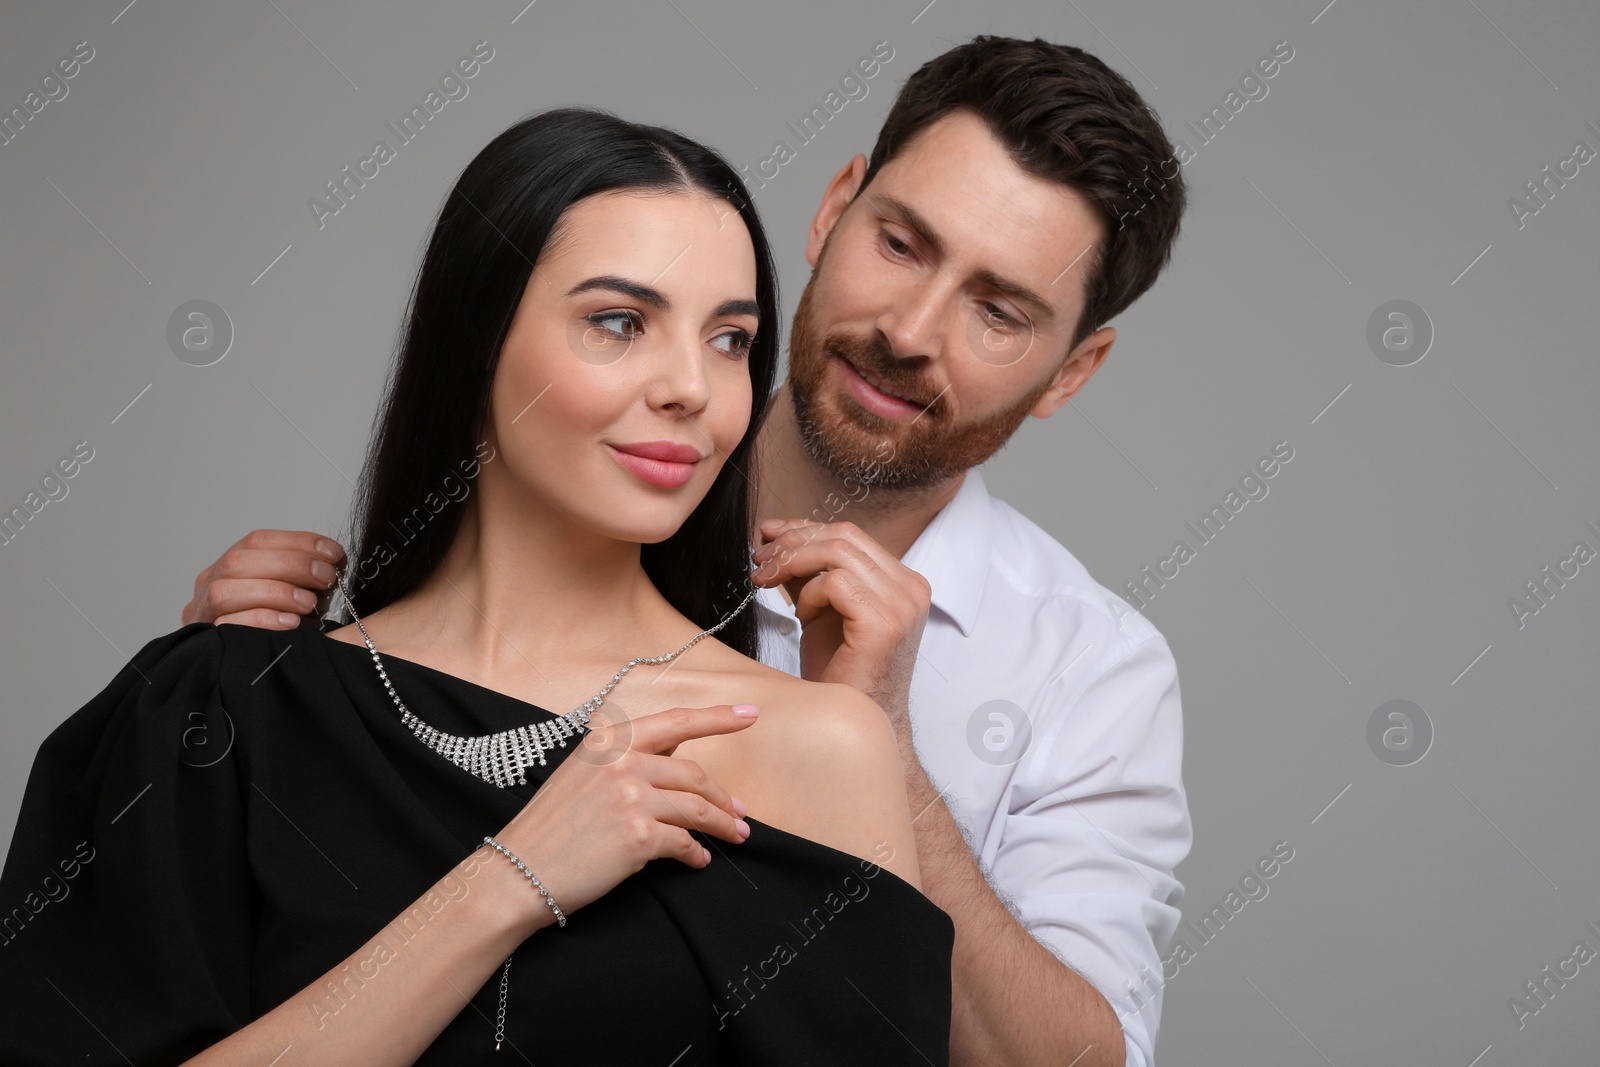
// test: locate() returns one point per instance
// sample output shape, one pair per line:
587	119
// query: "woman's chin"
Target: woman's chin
644	525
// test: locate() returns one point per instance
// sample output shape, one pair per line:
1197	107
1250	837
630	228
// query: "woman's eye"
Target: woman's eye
741	342
628	332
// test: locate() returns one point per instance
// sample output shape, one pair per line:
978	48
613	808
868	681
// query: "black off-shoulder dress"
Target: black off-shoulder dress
242	809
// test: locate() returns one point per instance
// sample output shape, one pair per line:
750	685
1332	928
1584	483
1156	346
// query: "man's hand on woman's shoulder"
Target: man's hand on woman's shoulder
268	578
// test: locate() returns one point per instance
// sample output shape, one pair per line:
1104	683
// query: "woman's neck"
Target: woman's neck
523	607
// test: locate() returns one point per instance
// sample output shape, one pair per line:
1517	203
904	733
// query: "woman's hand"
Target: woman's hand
621	800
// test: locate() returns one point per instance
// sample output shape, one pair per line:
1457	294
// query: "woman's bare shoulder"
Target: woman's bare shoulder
828	768
803	723
815	722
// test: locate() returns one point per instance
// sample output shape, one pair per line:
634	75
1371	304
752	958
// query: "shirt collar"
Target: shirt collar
952	552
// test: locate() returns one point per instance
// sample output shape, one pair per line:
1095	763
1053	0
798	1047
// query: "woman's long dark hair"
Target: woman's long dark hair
490	232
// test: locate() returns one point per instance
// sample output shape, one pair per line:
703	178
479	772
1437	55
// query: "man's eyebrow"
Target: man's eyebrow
656	298
1043	313
924	230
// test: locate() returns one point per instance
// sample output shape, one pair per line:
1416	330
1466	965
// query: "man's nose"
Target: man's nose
913	323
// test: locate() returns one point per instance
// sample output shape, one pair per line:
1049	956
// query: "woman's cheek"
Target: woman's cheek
743	400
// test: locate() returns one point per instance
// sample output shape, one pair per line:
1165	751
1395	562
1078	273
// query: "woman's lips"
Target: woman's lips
660	472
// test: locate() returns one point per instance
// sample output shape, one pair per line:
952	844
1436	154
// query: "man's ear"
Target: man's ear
841	190
1076	371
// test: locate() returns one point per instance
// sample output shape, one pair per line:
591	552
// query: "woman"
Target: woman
265	830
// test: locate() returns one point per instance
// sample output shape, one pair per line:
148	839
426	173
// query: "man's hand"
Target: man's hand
270	579
861	609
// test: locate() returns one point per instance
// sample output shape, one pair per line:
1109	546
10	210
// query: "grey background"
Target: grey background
1379	567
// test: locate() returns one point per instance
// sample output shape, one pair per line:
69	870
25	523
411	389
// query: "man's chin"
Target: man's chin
850	429
857	445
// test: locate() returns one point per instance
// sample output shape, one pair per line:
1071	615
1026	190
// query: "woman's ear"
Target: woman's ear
840	192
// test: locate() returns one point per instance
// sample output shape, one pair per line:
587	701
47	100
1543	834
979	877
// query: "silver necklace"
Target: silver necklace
501	758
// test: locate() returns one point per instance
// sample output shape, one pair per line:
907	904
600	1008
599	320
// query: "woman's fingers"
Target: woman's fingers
662	732
685	776
686	797
694	812
596	821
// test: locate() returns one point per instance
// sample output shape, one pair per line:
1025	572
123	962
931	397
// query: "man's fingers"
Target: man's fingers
831	590
839	575
263	618
868	574
805	548
771	528
239	596
307	542
803	559
291	565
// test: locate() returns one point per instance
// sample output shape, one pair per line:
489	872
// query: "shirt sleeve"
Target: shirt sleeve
1096	823
128	934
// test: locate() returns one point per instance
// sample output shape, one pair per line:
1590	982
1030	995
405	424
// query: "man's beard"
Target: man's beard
853	443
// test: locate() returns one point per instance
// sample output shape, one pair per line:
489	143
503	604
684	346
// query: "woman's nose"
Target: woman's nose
680	378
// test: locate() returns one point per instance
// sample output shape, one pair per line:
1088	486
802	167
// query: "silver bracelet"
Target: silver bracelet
561	920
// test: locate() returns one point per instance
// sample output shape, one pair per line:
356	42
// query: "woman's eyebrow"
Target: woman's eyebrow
737	307
656	298
652	296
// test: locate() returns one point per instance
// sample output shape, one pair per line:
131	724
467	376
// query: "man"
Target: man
960	280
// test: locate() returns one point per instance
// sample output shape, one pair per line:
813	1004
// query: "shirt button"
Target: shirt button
786	626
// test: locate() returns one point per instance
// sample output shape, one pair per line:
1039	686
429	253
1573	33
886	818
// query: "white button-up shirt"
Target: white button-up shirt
1047	711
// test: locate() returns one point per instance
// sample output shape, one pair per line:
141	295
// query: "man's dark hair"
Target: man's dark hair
1064	116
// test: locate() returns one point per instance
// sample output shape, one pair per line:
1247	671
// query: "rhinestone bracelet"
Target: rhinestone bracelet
561	920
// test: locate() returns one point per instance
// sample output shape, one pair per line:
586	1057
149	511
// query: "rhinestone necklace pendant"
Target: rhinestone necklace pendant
503	758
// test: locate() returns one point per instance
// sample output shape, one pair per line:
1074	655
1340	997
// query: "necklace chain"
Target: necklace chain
502	758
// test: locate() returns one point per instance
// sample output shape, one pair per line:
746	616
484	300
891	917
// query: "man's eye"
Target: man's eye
741	342
897	246
630	331
998	318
